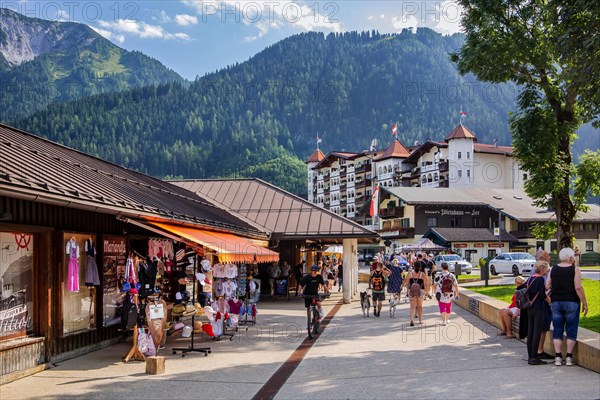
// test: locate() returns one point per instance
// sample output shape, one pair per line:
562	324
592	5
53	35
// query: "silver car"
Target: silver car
512	263
452	260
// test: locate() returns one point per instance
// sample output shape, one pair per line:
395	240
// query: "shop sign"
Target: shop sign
495	244
478	245
460	245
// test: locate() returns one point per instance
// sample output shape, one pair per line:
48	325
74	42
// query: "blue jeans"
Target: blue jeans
565	316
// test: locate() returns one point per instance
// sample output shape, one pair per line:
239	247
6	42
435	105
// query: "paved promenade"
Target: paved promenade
354	358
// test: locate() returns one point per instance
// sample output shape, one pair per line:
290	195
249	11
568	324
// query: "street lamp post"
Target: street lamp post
487	275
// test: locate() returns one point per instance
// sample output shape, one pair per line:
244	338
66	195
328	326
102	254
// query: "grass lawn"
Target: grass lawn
471	277
592	294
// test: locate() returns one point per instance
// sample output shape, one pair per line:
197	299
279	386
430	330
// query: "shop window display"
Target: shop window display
113	261
16	284
81	279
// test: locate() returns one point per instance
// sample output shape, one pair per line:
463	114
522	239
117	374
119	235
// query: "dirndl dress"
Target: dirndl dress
91	275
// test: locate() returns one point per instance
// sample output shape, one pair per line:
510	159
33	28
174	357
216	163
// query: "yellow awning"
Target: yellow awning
230	248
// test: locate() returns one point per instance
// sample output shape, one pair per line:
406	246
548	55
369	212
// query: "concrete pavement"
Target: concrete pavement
354	357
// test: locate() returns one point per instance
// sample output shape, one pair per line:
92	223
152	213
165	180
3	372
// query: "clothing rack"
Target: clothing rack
191	348
246	321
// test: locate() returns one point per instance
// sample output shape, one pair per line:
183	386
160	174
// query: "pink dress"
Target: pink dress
73	273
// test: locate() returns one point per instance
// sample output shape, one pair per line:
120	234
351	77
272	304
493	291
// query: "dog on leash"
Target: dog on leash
365	303
393	302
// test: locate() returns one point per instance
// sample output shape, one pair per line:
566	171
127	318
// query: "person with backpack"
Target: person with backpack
446	290
531	296
377	285
416	281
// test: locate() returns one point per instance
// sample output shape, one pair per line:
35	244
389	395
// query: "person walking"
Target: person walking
340	274
377	286
416	282
274	272
568	298
536	292
395	278
298	273
446	289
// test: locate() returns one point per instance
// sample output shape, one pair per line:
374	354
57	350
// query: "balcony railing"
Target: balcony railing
395	212
444	166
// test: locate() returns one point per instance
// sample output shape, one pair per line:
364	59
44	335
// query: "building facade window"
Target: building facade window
432	221
476	222
460	173
455	222
459	155
468	173
468	155
539	244
589	245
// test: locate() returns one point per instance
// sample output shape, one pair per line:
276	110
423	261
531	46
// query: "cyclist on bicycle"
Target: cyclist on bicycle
310	287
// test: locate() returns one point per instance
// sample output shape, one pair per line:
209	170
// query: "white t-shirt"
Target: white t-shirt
230	271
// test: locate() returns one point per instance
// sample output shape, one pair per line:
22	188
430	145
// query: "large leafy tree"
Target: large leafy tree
552	50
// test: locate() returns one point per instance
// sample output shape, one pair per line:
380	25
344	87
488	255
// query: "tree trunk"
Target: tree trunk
565	210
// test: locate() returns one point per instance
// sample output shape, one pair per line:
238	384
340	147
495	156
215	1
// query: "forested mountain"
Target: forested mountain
44	62
256	118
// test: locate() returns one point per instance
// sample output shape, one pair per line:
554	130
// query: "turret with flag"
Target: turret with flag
374	211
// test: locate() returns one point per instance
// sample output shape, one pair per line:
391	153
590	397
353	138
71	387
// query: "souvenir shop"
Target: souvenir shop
194	283
69	290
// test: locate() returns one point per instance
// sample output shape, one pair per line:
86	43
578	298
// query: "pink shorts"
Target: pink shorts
445	307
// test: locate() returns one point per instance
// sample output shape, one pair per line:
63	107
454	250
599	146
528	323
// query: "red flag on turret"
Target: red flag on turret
395	129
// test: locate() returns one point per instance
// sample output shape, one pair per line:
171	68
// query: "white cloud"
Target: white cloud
268	15
109	35
185	19
370	17
382	16
162	18
141	29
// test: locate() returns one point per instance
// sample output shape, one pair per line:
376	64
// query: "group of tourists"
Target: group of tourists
420	281
550	295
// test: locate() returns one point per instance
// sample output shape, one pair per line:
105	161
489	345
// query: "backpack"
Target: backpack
447	284
415	289
523	301
377	283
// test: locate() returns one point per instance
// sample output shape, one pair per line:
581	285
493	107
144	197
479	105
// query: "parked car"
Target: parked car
512	263
452	260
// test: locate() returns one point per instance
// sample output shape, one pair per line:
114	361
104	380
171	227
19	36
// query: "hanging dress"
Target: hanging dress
73	272
91	275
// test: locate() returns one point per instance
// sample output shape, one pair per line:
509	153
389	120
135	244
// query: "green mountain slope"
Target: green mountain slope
260	116
44	62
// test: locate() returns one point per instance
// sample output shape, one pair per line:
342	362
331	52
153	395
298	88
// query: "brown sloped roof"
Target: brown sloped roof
395	150
333	156
36	168
460	132
316	156
468	235
271	209
492	149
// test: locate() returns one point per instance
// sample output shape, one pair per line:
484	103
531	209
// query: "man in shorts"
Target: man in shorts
310	285
377	285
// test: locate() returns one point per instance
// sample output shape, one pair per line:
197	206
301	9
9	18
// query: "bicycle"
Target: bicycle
312	314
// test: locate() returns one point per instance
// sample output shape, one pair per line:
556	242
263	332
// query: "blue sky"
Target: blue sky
197	37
